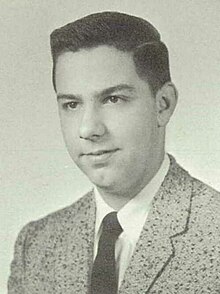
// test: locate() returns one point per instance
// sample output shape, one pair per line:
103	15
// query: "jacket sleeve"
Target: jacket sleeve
17	274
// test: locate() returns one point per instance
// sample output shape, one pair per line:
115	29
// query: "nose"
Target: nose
92	126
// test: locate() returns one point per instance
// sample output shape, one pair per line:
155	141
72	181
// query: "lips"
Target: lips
100	156
100	152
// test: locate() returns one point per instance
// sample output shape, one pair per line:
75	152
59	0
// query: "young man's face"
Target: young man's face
108	118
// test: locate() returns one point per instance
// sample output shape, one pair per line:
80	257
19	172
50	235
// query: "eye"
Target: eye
70	105
112	99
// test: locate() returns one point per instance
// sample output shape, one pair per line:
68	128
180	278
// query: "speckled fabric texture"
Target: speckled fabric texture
178	250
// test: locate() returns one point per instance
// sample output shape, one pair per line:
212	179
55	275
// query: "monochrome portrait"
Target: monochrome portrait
110	147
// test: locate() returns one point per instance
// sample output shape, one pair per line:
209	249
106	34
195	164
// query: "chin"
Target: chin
101	183
101	179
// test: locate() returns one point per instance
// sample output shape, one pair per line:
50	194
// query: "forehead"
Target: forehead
93	69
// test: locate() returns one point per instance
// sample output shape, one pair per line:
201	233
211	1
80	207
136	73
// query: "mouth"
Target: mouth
101	152
100	156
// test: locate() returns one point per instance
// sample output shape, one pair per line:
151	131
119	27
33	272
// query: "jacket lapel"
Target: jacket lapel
74	248
167	218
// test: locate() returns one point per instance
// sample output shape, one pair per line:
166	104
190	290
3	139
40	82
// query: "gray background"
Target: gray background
37	175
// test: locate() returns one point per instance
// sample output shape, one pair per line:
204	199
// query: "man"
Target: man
148	226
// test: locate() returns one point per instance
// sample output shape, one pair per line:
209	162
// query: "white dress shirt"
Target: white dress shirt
131	217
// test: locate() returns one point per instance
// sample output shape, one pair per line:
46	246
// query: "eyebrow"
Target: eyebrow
67	96
104	92
120	87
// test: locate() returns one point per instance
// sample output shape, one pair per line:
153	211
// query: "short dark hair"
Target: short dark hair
122	31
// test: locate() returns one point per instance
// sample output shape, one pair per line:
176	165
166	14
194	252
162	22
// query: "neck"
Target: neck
113	200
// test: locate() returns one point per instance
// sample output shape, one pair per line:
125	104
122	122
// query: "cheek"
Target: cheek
69	131
138	131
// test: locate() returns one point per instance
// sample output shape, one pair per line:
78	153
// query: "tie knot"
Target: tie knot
111	224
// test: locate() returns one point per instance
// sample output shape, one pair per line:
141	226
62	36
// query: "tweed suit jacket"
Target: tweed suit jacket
178	250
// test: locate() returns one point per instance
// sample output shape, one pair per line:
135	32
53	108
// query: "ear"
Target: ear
166	99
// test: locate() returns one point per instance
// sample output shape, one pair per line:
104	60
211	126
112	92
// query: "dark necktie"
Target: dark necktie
104	279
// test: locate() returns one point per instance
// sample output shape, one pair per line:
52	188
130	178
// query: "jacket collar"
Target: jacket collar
167	219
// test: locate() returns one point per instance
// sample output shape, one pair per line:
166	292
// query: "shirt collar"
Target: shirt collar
132	216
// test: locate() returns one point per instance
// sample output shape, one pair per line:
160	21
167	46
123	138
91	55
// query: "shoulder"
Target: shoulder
55	222
205	204
38	238
204	200
200	190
